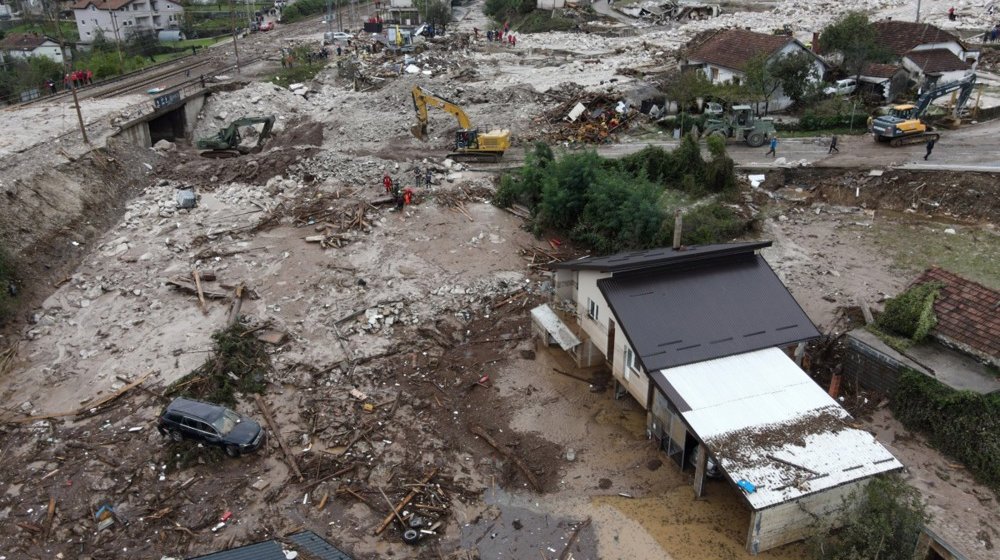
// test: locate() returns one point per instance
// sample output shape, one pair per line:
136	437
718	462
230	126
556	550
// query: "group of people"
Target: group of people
499	35
403	196
773	146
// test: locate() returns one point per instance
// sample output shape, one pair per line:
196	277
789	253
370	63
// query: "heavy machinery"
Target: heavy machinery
227	142
742	124
469	142
903	124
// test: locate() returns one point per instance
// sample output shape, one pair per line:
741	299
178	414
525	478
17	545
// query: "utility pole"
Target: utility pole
232	19
72	83
918	12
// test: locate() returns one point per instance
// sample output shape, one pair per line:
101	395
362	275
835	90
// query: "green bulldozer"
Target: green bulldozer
742	124
227	142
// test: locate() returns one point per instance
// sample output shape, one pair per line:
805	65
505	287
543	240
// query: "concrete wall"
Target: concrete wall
137	134
795	520
192	108
587	290
870	368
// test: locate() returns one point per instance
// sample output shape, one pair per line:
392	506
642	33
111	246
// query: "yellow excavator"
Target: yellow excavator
904	124
470	143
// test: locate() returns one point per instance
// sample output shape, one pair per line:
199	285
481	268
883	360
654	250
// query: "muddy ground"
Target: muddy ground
421	314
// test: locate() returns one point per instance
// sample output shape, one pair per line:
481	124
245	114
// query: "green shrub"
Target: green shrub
962	424
239	364
712	223
881	521
911	313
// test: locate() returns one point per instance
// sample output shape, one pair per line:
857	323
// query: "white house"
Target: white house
929	54
723	57
118	20
700	336
26	45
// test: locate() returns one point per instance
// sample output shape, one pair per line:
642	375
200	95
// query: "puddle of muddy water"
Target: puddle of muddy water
513	527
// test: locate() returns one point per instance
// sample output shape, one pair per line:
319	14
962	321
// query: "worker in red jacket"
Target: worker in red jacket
387	183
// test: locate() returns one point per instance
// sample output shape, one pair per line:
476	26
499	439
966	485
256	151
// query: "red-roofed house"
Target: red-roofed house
27	45
927	52
961	350
723	57
888	80
117	20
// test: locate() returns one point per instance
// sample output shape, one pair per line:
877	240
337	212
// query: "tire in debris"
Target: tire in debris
411	536
232	451
175	436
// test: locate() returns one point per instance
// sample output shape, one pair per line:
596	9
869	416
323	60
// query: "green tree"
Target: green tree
761	82
853	37
436	12
882	522
720	171
794	73
688	87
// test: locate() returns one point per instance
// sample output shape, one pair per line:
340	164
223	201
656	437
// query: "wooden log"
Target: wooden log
409	497
49	516
201	294
521	465
341	472
566	554
571	376
395	511
234	309
277	435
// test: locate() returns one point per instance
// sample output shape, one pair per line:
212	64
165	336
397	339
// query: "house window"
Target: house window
593	310
631	365
715	74
736	80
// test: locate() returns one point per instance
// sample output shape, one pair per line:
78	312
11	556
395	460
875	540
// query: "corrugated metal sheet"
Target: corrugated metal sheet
307	543
663	256
548	320
698	313
808	445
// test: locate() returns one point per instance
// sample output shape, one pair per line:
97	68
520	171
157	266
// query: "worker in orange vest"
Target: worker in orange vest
387	182
407	196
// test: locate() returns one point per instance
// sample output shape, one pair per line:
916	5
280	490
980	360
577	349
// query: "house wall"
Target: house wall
565	285
916	73
141	15
47	49
793	521
870	368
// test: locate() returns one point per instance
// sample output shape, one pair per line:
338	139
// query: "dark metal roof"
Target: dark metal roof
306	541
664	256
705	310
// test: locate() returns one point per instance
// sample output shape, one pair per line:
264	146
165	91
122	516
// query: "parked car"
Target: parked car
210	424
842	87
267	26
331	37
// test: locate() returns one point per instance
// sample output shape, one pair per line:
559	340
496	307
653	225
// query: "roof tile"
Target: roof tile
967	312
900	37
733	48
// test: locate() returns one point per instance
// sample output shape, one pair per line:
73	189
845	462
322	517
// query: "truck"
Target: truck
904	123
741	123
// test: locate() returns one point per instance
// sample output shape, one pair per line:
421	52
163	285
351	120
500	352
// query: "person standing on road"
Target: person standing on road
833	145
773	152
930	147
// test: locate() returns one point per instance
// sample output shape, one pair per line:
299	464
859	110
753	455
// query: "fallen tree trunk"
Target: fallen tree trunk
521	465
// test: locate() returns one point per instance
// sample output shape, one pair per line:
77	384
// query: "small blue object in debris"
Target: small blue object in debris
747	486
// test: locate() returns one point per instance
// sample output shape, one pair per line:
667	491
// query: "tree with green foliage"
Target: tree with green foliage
435	12
687	88
504	10
720	171
794	72
882	521
760	81
853	37
911	313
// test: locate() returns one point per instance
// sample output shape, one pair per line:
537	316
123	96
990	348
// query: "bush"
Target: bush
616	205
302	9
962	424
911	313
811	121
882	521
239	363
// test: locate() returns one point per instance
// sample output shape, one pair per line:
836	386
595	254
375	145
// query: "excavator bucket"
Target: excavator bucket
419	131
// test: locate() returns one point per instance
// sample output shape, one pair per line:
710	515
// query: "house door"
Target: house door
611	343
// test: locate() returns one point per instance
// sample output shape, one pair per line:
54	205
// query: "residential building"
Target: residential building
929	54
724	56
404	12
117	20
962	350
27	45
885	80
701	338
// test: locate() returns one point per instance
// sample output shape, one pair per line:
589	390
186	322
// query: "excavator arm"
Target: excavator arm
423	98
966	86
229	138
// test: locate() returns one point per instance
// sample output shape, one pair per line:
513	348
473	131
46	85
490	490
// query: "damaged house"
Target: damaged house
724	56
701	337
927	53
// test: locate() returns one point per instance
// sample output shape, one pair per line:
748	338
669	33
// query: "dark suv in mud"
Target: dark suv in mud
210	424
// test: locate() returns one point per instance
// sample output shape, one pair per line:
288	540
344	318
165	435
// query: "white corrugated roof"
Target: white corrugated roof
755	411
548	320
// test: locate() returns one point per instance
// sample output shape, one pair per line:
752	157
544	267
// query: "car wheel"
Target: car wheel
175	436
232	451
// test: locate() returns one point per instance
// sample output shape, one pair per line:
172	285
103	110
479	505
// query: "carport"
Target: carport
788	447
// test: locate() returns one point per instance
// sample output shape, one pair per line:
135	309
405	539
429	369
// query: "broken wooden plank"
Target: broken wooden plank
281	442
566	554
188	286
272	336
571	376
49	516
98	403
395	510
234	308
409	497
201	294
521	465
